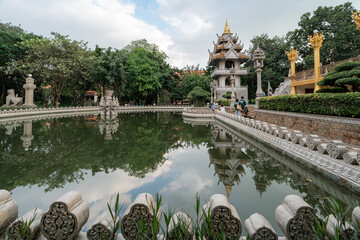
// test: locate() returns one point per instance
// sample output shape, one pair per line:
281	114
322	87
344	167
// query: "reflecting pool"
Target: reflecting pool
154	153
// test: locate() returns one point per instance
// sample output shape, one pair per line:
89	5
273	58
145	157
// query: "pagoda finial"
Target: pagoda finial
227	29
228	191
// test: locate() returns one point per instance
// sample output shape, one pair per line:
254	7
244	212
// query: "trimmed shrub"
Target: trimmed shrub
333	90
337	104
225	102
227	95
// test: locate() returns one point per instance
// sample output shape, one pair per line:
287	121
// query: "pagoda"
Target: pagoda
227	58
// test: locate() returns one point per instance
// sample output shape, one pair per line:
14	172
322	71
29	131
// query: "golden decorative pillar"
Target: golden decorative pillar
292	56
356	18
316	43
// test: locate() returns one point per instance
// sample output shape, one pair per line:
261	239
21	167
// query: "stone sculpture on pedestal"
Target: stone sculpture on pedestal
29	87
109	105
12	99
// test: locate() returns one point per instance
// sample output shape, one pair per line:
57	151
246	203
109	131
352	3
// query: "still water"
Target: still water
154	153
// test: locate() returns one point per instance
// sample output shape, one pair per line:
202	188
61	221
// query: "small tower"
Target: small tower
227	57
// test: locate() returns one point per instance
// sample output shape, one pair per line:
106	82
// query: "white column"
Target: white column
29	87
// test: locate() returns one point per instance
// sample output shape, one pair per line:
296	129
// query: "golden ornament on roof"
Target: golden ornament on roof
227	29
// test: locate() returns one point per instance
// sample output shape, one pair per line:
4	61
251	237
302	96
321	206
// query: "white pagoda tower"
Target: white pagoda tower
227	57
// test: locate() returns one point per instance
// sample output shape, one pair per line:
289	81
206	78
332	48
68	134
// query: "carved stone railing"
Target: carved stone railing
67	216
224	217
320	152
140	212
60	110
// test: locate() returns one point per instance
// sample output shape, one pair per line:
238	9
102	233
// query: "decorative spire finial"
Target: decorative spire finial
227	29
228	191
356	19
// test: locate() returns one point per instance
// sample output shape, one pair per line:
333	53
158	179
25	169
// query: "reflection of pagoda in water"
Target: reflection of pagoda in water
227	157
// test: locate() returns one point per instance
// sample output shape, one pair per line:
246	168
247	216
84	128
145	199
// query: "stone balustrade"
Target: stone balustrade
337	158
56	110
67	216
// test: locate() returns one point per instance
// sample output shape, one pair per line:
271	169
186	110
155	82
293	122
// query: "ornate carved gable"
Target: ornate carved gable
229	44
231	54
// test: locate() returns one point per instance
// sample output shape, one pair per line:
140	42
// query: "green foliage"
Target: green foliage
198	96
227	95
189	81
347	66
344	74
338	104
333	90
225	102
55	61
276	65
10	36
115	213
342	40
109	69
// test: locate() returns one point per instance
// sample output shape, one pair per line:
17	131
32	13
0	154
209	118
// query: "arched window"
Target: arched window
229	64
227	82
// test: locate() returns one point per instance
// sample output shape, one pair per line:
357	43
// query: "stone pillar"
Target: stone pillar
215	93
259	91
316	43
27	136
29	87
232	82
259	57
108	95
292	56
212	91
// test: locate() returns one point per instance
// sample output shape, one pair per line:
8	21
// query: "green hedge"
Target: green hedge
225	102
337	104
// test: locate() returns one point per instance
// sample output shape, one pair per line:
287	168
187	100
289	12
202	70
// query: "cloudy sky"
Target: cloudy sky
184	29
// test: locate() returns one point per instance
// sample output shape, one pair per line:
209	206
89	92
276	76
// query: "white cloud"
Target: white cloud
184	29
103	22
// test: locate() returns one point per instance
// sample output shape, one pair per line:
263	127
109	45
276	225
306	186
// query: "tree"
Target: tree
342	40
198	95
347	73
109	70
276	65
56	60
10	35
144	72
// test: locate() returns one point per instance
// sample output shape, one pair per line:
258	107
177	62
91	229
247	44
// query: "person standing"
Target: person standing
237	107
242	103
213	106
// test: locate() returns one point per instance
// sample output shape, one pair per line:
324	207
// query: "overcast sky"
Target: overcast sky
184	29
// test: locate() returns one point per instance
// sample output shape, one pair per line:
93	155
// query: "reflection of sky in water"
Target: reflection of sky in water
185	173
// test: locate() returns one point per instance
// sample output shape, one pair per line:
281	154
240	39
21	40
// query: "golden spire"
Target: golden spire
228	190
227	29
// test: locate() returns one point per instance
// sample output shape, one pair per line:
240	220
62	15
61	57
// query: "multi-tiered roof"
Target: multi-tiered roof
227	47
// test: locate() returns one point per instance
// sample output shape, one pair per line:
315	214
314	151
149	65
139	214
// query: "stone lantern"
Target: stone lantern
29	87
259	57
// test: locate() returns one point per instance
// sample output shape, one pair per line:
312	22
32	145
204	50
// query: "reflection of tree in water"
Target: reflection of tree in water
63	150
268	166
